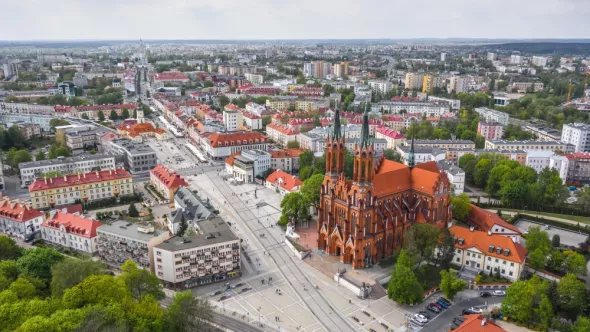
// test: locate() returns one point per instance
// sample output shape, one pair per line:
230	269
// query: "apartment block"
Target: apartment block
490	130
491	115
577	134
71	231
529	145
138	157
19	219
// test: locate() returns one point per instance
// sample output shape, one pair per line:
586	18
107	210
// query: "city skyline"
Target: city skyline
271	20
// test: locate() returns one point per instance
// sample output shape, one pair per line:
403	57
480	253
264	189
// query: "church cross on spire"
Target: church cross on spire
365	128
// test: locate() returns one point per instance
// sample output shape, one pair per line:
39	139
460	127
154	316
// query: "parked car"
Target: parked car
420	318
446	301
475	309
442	304
458	320
499	293
433	308
485	294
417	322
468	312
440	307
424	313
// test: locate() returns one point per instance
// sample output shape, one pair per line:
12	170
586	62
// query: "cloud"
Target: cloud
302	19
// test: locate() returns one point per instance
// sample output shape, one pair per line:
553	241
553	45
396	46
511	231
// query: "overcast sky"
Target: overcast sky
299	19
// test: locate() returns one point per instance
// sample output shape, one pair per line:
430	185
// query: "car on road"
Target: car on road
485	294
499	293
546	226
475	309
433	308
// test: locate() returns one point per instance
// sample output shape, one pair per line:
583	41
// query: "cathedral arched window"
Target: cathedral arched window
353	226
367	224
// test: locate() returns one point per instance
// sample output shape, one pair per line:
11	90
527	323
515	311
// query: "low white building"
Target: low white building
18	219
71	231
252	121
283	183
220	145
421	154
538	159
248	164
282	134
455	174
561	164
479	251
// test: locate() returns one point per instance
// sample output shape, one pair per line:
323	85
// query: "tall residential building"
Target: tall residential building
490	130
515	59
540	61
577	134
413	81
381	87
458	84
232	119
443	57
10	69
431	81
491	115
492	56
338	70
344	65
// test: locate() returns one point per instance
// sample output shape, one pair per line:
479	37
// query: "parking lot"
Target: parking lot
567	237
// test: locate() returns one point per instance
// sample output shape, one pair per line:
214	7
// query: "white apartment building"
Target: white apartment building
29	171
255	79
395	107
455	104
282	134
232	120
421	154
249	164
71	231
490	253
538	159
455	175
252	121
26	108
524	86
213	255
492	56
529	145
443	57
540	61
515	59
491	115
255	108
458	84
577	134
10	69
561	164
381	87
19	219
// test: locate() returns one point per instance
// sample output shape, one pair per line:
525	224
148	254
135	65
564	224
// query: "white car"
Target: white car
420	318
546	226
475	309
499	293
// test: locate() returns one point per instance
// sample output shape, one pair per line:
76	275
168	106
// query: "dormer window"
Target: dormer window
499	250
491	249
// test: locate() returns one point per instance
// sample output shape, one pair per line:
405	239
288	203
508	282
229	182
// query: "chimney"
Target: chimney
79	176
45	180
483	322
65	178
490	232
84	175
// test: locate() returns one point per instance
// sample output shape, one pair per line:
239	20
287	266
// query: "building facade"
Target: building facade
490	130
138	157
491	115
71	231
19	219
166	181
363	220
577	134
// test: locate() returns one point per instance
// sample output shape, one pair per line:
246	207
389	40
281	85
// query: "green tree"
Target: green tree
133	211
16	136
467	164
551	188
481	172
556	260
113	115
294	207
494	183
403	285
391	154
125	113
40	155
266	120
450	285
461	206
140	282
445	250
537	238
96	289
573	295
182	227
9	250
15	157
306	172
9	269
522	297
576	264
582	324
293	145
58	122
537	259
514	192
420	241
555	241
189	313
70	272
311	189
306	159
146	314
544	312
37	262
23	288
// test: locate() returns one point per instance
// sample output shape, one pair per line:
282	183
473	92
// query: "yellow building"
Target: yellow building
87	187
428	83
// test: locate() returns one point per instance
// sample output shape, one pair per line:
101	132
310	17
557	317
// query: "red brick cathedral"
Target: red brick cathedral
364	219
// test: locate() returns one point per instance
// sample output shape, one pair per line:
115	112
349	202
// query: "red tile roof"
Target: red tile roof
287	153
170	76
78	179
473	323
232	158
392	177
17	211
482	241
244	137
169	178
486	220
578	155
106	107
73	224
389	133
282	128
288	181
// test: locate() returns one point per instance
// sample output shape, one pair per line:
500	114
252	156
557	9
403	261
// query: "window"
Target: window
511	264
458	259
503	271
510	273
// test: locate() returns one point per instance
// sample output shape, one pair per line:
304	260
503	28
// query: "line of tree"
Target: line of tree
42	290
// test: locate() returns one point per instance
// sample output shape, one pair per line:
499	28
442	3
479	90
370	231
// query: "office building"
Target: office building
232	118
515	59
10	69
121	241
71	231
86	187
455	104
539	61
577	134
19	219
529	145
29	171
138	157
380	87
491	115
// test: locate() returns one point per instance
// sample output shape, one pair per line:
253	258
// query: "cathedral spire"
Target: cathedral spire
337	133
411	157
365	128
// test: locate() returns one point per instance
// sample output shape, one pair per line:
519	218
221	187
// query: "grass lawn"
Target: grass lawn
580	219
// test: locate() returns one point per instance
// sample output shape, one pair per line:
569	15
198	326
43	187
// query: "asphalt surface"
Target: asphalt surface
444	320
567	237
233	324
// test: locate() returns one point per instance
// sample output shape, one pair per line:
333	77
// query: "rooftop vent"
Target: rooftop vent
491	249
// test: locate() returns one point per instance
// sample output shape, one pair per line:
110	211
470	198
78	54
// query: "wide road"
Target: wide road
271	239
233	324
